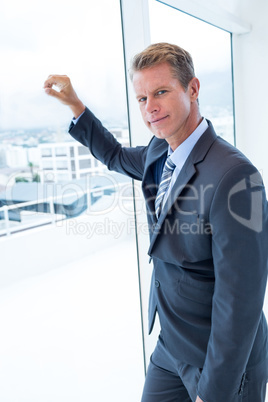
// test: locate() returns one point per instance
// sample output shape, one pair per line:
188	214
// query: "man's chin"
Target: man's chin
160	136
157	133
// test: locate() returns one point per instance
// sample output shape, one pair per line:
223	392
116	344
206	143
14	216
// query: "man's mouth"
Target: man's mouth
156	121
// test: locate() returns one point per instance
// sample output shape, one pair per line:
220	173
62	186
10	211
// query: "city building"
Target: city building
66	161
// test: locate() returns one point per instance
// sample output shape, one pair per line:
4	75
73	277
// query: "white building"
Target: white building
15	156
66	161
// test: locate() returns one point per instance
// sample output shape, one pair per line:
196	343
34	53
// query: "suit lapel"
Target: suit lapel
149	186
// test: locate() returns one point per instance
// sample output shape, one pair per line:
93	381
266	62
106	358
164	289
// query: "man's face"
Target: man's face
170	112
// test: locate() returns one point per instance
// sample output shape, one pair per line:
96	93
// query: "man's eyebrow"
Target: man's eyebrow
140	96
161	88
155	90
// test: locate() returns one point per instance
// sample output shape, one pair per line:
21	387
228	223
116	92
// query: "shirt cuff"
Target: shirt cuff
76	120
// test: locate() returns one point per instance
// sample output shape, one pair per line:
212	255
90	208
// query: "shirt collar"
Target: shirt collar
182	152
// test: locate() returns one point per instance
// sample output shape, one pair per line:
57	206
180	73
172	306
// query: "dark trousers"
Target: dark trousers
169	380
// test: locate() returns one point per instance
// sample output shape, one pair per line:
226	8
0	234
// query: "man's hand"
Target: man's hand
65	94
198	399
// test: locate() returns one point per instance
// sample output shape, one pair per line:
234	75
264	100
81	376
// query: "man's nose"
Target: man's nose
152	105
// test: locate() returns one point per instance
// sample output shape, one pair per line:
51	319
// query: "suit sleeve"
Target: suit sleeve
126	160
239	220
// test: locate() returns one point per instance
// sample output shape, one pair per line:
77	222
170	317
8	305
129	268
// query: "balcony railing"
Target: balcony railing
51	217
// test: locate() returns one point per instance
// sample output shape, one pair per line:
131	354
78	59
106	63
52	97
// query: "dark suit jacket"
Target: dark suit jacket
209	249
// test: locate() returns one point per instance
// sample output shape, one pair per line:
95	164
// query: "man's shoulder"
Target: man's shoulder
218	159
228	153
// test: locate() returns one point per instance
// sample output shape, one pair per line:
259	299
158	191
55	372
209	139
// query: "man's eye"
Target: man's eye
161	92
142	99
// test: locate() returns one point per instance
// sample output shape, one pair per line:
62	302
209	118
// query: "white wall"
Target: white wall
250	70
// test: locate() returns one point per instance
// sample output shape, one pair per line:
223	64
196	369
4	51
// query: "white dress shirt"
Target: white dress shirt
181	153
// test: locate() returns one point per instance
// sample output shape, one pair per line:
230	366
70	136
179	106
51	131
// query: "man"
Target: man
208	219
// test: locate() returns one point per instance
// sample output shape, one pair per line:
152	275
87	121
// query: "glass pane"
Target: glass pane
69	291
210	48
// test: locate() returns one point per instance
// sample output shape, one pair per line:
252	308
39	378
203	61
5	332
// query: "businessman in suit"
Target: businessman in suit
208	220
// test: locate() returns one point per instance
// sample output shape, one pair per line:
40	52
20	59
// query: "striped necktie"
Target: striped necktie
164	184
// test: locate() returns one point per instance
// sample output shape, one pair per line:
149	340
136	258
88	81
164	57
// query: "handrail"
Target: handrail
7	231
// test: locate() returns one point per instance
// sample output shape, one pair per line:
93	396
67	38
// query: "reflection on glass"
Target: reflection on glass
210	48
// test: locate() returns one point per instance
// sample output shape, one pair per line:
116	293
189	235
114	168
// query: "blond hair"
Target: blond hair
179	59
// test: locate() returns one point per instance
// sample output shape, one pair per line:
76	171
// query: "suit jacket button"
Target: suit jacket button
157	284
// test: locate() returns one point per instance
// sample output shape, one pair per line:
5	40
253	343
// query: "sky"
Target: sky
55	37
208	45
84	40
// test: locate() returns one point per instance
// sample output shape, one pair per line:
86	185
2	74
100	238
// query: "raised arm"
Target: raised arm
90	132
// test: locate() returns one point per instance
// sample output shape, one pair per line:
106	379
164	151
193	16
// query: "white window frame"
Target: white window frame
210	12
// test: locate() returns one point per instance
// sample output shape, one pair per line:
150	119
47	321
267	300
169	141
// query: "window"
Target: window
61	151
82	151
73	166
71	287
62	164
72	152
210	48
46	152
47	165
85	164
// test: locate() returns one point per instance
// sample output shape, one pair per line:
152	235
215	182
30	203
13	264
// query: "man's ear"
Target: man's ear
194	86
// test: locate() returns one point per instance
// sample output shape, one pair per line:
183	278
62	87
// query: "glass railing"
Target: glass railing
20	216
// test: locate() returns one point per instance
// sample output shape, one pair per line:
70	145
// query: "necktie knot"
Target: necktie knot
164	184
